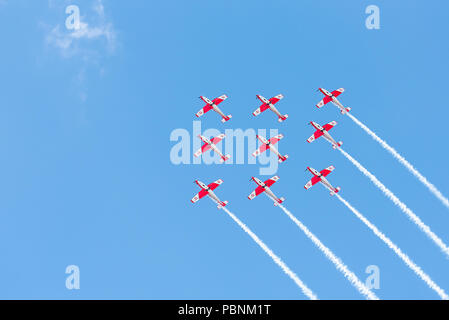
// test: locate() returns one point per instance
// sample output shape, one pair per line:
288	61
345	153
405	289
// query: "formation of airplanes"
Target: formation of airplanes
269	144
266	104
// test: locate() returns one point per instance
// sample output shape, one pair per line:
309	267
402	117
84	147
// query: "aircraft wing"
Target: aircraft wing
220	99
326	171
218	138
261	109
276	99
204	148
325	100
215	184
329	125
199	195
271	181
276	139
205	109
262	148
315	136
338	92
256	192
312	182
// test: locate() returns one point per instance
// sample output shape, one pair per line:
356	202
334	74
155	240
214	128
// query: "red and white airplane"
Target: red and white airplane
211	144
323	131
269	104
332	97
213	105
321	177
208	190
269	144
265	187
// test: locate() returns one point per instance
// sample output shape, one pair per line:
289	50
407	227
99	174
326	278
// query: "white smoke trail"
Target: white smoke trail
398	251
334	259
399	204
404	162
275	258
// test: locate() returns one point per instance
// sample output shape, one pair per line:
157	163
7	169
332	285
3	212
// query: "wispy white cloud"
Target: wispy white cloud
95	33
90	42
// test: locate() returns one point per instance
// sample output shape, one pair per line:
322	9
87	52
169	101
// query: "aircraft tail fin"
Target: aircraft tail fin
346	110
222	204
283	118
278	202
226	118
336	190
283	158
226	157
335	146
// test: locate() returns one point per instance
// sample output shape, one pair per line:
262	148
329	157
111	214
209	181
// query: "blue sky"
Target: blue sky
85	123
